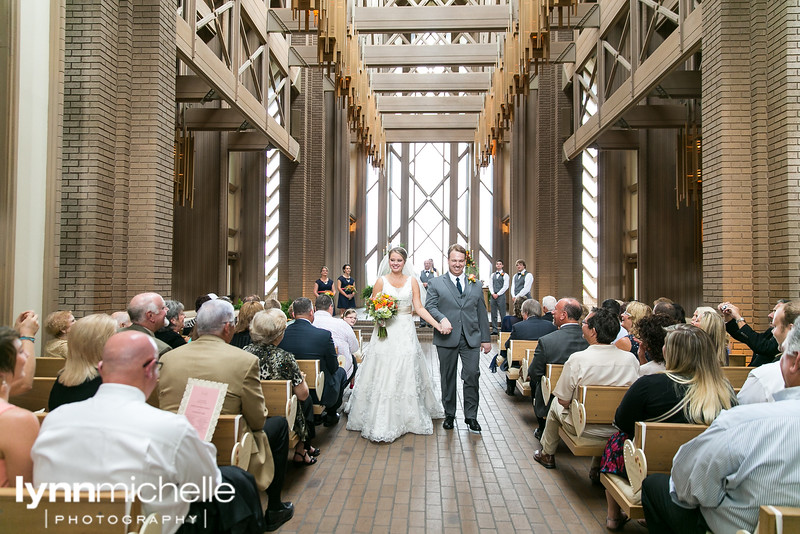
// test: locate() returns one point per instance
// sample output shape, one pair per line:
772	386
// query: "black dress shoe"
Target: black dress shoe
276	518
448	422
473	426
331	419
538	434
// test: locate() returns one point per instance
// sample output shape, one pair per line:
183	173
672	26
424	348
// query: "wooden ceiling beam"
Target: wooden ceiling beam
431	19
430	55
424	122
429	104
413	82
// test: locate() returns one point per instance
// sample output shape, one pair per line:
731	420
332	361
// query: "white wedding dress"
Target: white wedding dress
393	392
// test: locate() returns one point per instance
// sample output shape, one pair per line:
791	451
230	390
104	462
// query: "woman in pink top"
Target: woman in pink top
18	427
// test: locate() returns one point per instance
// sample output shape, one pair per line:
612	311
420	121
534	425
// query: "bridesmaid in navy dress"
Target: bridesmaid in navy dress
324	284
346	301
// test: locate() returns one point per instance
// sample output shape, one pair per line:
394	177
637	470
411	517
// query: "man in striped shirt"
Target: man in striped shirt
748	457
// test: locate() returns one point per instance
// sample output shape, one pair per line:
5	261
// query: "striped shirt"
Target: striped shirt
748	457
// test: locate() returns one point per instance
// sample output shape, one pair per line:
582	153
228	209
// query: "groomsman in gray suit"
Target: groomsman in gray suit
457	303
523	281
497	302
428	274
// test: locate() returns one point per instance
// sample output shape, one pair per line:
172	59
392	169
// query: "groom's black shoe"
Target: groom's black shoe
448	422
473	426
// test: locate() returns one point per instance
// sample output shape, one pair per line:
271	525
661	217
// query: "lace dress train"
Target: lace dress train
394	393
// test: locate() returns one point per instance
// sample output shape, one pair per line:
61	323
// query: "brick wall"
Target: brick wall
750	154
304	203
116	195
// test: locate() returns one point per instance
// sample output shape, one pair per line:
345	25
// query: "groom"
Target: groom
458	305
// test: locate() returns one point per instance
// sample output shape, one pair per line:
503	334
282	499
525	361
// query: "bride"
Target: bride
393	392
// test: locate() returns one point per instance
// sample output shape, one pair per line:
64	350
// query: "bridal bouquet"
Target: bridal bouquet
382	308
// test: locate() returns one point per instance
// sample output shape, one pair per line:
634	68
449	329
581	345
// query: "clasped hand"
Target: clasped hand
445	327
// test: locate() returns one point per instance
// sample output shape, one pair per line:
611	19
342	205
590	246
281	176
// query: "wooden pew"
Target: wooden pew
551	375
736	375
592	405
777	519
49	367
501	343
315	379
280	400
35	399
54	516
516	349
658	442
524	382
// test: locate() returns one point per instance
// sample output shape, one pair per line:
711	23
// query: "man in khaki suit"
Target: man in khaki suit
210	357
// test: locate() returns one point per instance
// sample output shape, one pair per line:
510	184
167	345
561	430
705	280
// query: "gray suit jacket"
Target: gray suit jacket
466	312
555	348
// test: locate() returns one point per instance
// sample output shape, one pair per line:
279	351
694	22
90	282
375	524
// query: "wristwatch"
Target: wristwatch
740	320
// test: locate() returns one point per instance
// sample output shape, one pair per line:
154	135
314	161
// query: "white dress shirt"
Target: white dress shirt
116	435
453	279
343	336
761	384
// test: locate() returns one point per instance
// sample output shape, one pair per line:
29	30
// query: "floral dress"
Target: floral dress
278	364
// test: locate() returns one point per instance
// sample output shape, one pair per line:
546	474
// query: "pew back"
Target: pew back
16	517
47	366
37	398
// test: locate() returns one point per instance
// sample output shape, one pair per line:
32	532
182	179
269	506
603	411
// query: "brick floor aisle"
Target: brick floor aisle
452	481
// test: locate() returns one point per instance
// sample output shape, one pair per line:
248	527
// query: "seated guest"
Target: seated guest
616	308
171	334
548	307
309	343
116	436
18	427
79	379
188	325
241	334
210	357
712	324
350	316
764	381
58	325
602	364
748	457
671	309
122	318
272	304
267	328
692	390
148	313
531	328
634	311
765	348
344	339
555	348
252	298
510	320
651	342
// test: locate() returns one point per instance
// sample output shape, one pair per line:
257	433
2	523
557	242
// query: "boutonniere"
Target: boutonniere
471	278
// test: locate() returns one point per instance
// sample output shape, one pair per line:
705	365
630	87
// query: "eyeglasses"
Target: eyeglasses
158	363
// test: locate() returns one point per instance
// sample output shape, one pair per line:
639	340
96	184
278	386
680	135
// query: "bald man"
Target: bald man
116	435
148	313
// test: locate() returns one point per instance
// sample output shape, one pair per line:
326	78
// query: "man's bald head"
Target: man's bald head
130	358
